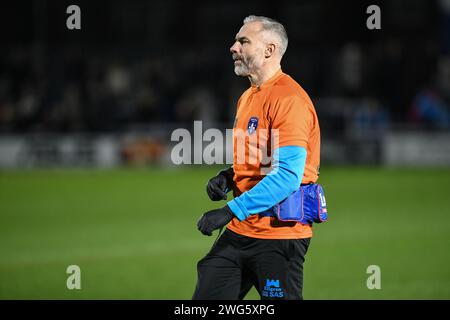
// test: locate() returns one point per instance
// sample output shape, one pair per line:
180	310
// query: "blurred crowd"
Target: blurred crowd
99	93
110	94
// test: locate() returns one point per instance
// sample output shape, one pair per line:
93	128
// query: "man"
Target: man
258	249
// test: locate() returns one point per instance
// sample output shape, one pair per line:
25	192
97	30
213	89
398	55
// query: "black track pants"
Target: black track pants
236	263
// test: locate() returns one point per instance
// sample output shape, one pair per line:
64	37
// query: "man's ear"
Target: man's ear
270	49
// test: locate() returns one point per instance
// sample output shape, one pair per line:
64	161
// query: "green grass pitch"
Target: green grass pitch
133	233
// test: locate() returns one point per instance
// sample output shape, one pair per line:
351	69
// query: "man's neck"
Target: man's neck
264	75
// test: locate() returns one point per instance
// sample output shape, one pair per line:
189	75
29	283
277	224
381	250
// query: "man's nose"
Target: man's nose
234	48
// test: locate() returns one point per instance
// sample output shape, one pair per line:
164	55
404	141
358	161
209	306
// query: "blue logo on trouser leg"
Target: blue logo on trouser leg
272	289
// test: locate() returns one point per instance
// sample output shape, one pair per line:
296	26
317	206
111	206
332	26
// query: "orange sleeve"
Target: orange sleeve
294	121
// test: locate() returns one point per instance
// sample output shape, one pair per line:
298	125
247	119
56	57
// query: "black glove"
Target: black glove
217	186
214	219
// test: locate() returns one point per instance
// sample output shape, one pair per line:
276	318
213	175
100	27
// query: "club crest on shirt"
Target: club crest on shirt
252	125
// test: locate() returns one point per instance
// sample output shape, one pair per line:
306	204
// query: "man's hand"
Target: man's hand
217	186
214	219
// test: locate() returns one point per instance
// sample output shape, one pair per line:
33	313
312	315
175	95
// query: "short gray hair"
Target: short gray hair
273	26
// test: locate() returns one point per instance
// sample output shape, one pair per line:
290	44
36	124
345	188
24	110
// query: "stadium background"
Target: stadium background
85	138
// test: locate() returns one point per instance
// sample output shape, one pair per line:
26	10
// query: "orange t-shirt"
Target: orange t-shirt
282	111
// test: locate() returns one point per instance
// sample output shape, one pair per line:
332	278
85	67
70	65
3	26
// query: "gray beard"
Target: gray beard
241	70
244	69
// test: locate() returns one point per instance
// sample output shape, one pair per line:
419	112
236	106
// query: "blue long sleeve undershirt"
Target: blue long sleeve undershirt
286	176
